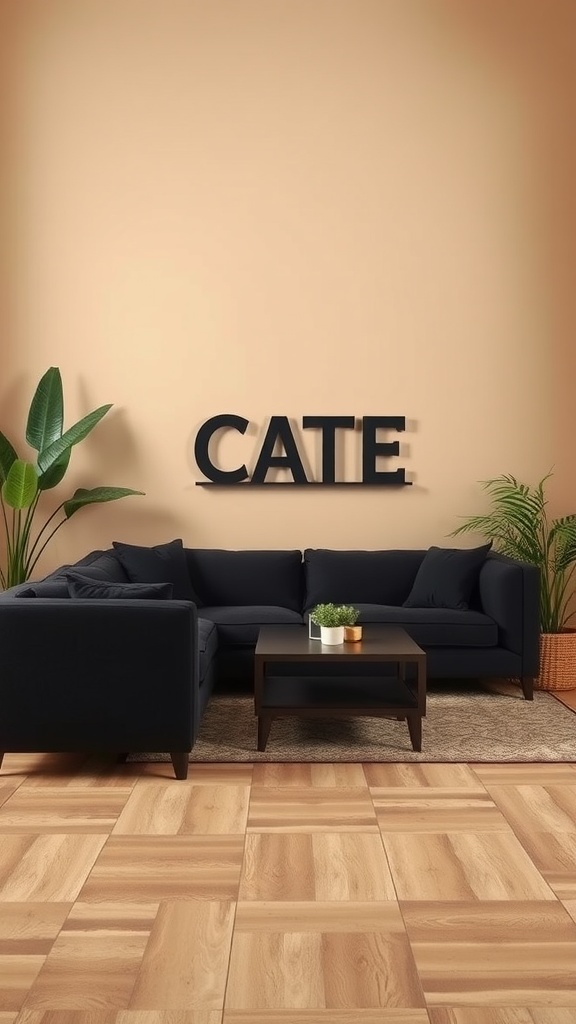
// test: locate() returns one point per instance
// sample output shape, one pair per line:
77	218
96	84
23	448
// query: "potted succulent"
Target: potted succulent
518	525
350	615
332	619
23	482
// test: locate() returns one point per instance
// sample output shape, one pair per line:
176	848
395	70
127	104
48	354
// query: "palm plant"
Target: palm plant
519	526
22	482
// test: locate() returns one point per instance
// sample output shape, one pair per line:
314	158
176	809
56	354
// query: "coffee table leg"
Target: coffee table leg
264	723
415	730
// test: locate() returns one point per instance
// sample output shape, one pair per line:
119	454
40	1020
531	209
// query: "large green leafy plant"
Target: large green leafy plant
23	482
519	526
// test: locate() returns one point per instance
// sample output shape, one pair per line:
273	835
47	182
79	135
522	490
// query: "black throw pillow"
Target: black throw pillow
164	563
95	589
46	588
446	577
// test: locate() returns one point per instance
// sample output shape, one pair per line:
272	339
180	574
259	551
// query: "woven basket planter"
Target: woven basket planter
557	661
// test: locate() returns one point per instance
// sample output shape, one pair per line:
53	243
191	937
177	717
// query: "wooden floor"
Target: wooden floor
286	894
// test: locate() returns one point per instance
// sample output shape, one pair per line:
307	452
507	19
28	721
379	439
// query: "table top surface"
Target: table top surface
379	642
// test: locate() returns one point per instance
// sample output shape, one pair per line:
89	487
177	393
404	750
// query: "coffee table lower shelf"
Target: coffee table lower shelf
309	696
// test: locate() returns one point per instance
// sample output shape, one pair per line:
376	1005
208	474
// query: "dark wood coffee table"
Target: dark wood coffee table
326	683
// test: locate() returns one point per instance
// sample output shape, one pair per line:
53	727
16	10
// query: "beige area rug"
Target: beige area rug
463	723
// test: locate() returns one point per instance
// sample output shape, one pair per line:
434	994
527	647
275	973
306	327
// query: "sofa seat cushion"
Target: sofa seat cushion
240	624
436	627
207	645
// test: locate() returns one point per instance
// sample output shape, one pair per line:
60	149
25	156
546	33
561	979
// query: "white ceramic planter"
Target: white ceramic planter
332	635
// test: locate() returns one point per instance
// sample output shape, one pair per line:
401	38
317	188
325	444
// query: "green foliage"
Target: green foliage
334	615
519	526
22	482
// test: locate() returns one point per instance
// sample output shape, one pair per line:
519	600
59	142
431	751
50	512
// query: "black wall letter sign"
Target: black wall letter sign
202	443
279	429
371	448
328	425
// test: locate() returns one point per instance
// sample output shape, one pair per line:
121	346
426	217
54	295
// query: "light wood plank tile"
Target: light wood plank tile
186	961
570	906
555	857
121	918
67	1017
340	776
154	868
323	917
357	1016
9	785
17	974
567	697
46	769
438	776
321	955
30	928
297	809
319	866
488	921
468	958
95	960
211	773
436	810
502	1015
7	1018
531	809
220	774
500	988
66	809
46	868
462	866
198	1016
182	808
524	774
510	953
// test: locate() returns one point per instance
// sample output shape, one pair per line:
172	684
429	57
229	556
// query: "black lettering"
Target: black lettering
329	425
279	430
371	449
202	444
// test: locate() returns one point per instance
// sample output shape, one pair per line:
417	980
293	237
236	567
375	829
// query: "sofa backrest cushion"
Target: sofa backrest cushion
447	577
361	577
96	590
223	577
163	563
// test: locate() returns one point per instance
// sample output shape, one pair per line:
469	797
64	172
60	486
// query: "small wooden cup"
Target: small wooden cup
352	634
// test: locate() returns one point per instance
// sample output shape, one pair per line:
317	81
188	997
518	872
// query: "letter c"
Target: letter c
202	443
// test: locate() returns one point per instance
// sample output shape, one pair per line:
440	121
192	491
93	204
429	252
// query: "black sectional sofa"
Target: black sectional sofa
85	666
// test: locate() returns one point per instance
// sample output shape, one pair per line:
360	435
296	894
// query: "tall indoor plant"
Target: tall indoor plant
519	526
22	482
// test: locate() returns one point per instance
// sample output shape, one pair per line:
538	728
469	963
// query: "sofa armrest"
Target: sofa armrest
99	674
510	594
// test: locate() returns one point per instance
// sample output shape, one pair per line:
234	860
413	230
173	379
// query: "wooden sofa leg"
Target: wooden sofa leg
180	762
527	687
1	759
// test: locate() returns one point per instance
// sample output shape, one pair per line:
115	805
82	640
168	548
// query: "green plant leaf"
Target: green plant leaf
76	433
46	415
518	524
95	495
56	473
7	457
21	485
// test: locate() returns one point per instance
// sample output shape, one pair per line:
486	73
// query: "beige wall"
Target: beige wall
294	207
